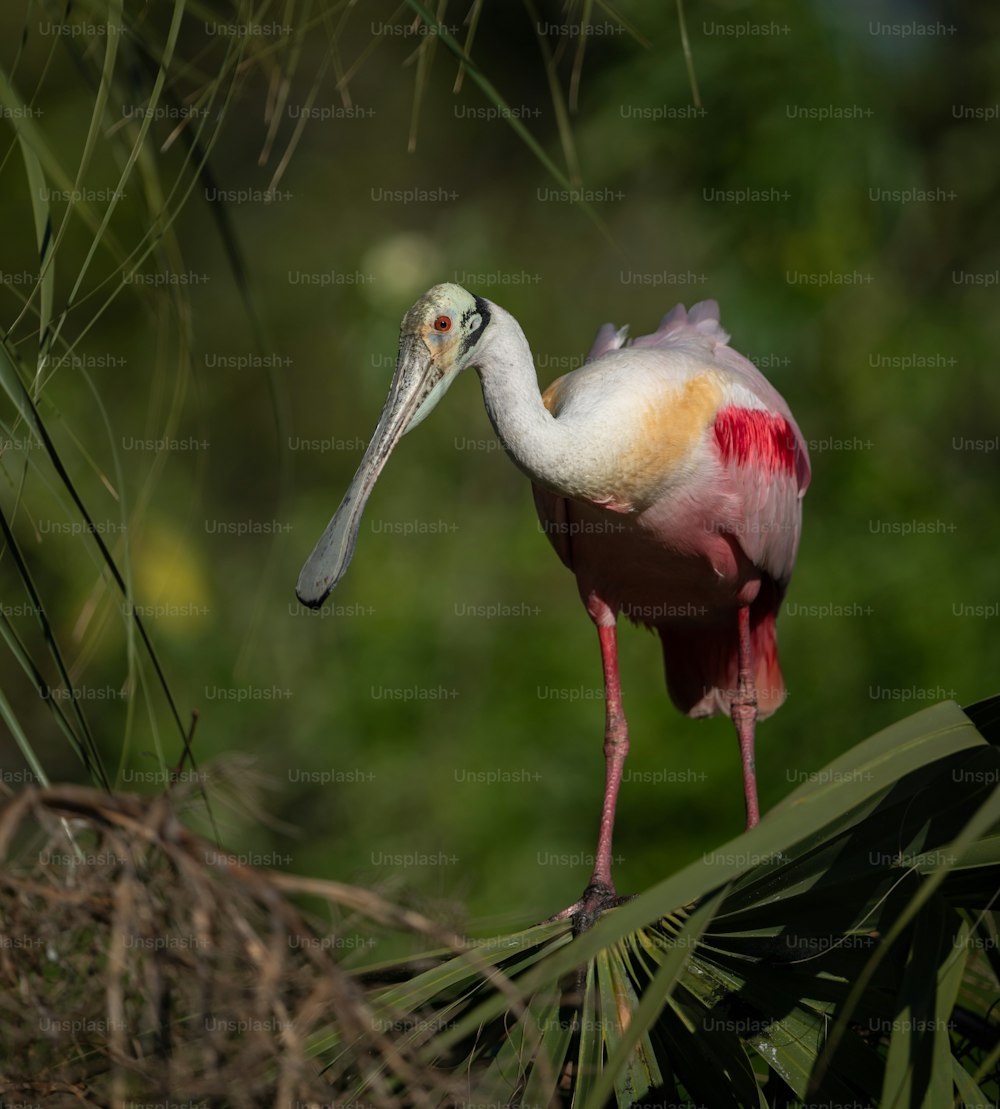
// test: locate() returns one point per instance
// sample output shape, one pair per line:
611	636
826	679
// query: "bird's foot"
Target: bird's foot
597	897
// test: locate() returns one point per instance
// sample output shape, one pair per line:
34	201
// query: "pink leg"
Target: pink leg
744	711
615	751
600	892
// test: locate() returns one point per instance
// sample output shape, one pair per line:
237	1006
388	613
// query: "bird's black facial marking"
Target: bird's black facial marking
473	334
484	310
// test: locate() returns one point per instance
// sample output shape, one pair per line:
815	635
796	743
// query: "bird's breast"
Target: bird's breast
636	435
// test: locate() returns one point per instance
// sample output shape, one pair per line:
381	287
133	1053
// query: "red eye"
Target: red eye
442	323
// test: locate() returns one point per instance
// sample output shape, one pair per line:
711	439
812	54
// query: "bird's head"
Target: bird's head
439	337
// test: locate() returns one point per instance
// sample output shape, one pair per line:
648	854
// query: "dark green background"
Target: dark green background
874	313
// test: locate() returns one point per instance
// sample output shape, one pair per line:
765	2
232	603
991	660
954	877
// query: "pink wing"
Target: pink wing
767	464
608	338
759	444
678	325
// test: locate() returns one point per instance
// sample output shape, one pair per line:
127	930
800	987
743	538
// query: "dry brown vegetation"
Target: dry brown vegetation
138	960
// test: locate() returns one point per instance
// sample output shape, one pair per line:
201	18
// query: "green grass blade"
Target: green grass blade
33	137
521	1054
949	982
917	1070
81	737
553	1048
590	1051
512	119
43	238
137	147
22	741
464	968
581	47
688	56
982	819
425	59
559	109
10	380
654	997
969	1093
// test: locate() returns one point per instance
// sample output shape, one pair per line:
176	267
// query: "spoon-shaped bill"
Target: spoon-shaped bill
411	384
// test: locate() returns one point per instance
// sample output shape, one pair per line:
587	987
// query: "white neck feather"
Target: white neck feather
540	445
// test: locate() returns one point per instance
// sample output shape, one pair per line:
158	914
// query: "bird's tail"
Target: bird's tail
702	666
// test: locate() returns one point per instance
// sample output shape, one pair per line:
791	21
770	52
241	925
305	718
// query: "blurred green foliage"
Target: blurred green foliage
872	311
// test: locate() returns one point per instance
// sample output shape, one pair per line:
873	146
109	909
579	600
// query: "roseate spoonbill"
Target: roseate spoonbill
668	474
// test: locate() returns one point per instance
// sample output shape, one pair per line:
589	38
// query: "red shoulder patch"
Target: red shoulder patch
752	437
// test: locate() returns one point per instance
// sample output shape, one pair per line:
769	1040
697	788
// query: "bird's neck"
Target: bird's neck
536	442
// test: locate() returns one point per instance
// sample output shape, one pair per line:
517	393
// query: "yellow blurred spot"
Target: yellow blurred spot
403	265
171	588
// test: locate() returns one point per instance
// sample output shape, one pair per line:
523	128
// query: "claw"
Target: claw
597	897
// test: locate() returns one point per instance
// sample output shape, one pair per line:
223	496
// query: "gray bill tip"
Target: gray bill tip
312	594
332	554
315	579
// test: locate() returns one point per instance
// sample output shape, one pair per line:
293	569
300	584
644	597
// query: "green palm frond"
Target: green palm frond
734	982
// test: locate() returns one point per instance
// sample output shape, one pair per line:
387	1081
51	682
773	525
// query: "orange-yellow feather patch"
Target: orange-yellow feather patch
664	436
551	398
